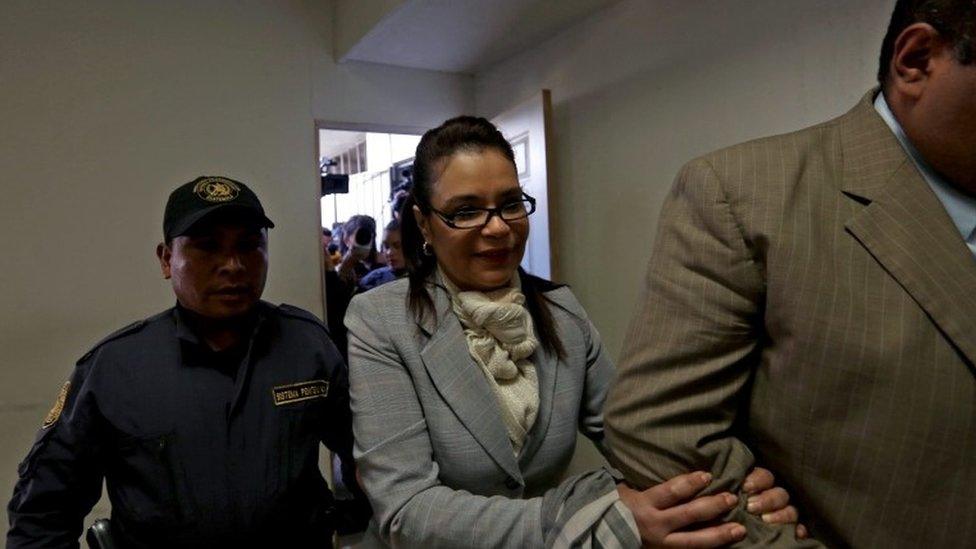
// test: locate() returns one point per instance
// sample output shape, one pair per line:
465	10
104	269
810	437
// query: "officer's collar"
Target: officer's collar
185	332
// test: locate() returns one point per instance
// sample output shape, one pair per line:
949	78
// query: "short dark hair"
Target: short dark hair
326	231
955	20
393	225
460	134
359	221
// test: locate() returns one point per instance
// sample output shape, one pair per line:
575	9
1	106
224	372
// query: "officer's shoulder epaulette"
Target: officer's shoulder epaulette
130	329
292	311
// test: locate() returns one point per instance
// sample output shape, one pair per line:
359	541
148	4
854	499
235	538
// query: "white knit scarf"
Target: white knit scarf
500	338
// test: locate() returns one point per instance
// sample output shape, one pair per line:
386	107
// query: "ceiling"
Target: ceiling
335	142
460	36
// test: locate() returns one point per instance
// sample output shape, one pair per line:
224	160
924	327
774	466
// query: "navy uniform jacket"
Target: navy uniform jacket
196	447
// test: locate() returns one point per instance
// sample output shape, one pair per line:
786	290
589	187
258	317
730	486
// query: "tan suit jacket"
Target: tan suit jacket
810	306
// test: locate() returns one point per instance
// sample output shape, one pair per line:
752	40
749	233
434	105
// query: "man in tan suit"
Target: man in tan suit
810	306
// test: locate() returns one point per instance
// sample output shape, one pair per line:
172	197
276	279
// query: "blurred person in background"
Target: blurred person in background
397	202
359	254
395	266
330	250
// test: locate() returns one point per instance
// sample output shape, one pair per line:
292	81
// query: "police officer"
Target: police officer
205	419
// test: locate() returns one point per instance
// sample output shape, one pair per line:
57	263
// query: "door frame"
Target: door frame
319	125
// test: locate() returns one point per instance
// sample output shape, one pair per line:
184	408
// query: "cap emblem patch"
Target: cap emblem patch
217	189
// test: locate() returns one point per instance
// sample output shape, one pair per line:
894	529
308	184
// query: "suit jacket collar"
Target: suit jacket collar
905	227
465	389
870	152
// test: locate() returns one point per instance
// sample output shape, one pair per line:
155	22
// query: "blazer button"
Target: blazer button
512	484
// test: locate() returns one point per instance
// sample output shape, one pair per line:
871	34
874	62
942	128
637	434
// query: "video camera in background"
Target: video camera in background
363	240
332	183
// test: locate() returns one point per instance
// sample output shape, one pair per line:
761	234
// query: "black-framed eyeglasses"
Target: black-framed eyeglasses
475	218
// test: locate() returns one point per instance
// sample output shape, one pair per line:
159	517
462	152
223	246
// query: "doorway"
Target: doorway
364	175
377	165
366	169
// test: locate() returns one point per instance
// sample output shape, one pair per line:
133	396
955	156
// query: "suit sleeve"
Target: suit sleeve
60	480
691	349
337	432
352	515
395	457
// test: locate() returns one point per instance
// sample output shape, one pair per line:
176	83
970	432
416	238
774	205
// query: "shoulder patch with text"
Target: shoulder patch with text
55	413
297	392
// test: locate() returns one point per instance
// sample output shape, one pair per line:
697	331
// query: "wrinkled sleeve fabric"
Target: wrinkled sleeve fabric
336	433
592	514
599	374
395	458
691	350
60	480
352	514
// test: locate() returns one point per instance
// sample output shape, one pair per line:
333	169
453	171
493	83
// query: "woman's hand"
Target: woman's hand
664	513
770	501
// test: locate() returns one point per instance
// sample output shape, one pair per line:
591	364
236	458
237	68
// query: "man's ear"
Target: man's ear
917	50
164	254
423	222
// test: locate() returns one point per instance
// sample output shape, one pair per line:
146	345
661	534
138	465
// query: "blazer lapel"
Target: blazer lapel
547	370
907	230
462	384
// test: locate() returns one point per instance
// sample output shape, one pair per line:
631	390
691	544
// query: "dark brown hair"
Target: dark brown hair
460	134
955	20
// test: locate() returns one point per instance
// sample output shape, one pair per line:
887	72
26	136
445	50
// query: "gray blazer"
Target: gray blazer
431	446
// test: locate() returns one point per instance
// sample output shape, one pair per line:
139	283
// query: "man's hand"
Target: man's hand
771	502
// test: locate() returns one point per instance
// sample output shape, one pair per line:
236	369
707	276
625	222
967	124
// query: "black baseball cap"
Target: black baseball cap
205	195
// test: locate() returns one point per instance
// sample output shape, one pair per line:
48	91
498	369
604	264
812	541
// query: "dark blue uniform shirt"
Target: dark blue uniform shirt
197	448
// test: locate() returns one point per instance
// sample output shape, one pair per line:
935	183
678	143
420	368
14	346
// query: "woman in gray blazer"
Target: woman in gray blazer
470	379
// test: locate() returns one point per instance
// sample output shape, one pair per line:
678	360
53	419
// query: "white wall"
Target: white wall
106	106
645	85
